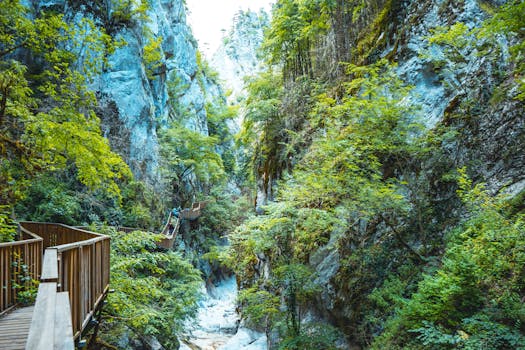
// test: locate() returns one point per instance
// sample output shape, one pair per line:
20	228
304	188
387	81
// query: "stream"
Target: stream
217	324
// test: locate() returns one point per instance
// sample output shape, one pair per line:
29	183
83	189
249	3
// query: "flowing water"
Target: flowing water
217	323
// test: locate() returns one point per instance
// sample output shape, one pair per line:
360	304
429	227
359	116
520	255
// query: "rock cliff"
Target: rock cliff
451	91
136	93
237	57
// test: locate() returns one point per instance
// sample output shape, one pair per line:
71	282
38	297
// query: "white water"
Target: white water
216	326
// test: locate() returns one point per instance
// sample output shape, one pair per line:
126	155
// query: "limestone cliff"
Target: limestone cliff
135	96
237	57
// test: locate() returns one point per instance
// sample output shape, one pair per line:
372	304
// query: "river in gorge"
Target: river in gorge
217	324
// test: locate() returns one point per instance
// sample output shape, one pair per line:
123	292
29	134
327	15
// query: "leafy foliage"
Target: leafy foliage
473	299
263	131
142	207
155	291
188	153
259	305
46	114
7	225
51	200
152	56
314	336
293	28
510	22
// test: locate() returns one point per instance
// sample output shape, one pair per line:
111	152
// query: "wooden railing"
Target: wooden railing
72	265
194	212
74	279
170	231
20	265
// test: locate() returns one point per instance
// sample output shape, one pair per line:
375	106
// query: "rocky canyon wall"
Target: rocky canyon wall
135	96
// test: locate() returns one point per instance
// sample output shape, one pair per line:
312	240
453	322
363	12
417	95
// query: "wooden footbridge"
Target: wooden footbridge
72	265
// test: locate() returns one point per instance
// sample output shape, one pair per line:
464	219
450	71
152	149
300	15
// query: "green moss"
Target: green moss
487	7
370	38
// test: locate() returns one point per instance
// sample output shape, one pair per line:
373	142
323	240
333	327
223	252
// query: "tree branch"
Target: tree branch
11	49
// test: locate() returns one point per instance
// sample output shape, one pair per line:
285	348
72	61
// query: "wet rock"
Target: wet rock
217	323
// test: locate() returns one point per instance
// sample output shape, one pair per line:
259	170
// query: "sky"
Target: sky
208	19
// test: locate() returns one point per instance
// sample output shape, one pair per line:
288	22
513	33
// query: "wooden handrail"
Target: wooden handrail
194	212
76	264
74	276
169	235
20	265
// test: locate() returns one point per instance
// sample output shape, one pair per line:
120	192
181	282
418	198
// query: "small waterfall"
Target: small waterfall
217	324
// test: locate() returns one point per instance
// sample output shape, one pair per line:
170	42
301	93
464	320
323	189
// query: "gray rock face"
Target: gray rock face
143	104
237	57
132	103
415	56
461	88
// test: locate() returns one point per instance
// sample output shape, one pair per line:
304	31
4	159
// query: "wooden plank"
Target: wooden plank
50	268
42	334
14	328
64	327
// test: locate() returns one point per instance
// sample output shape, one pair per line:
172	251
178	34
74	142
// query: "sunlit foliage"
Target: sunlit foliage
47	120
155	291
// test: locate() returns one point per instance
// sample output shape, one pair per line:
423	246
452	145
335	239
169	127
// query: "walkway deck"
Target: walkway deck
14	328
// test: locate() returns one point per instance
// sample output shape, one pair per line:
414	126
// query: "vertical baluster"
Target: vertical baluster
2	279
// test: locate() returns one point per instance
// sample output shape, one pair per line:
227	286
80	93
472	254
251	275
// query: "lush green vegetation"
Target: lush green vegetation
355	181
369	229
56	166
156	291
47	119
473	300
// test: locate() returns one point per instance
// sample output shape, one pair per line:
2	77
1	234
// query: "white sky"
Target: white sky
208	17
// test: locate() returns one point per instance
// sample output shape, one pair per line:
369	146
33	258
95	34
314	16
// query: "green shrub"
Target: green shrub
7	225
474	299
155	291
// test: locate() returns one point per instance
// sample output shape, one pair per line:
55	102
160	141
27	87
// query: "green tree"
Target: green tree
190	158
473	299
155	291
46	111
361	141
263	135
294	28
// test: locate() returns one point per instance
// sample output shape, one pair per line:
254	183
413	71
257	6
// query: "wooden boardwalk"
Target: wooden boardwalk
73	268
72	265
14	328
